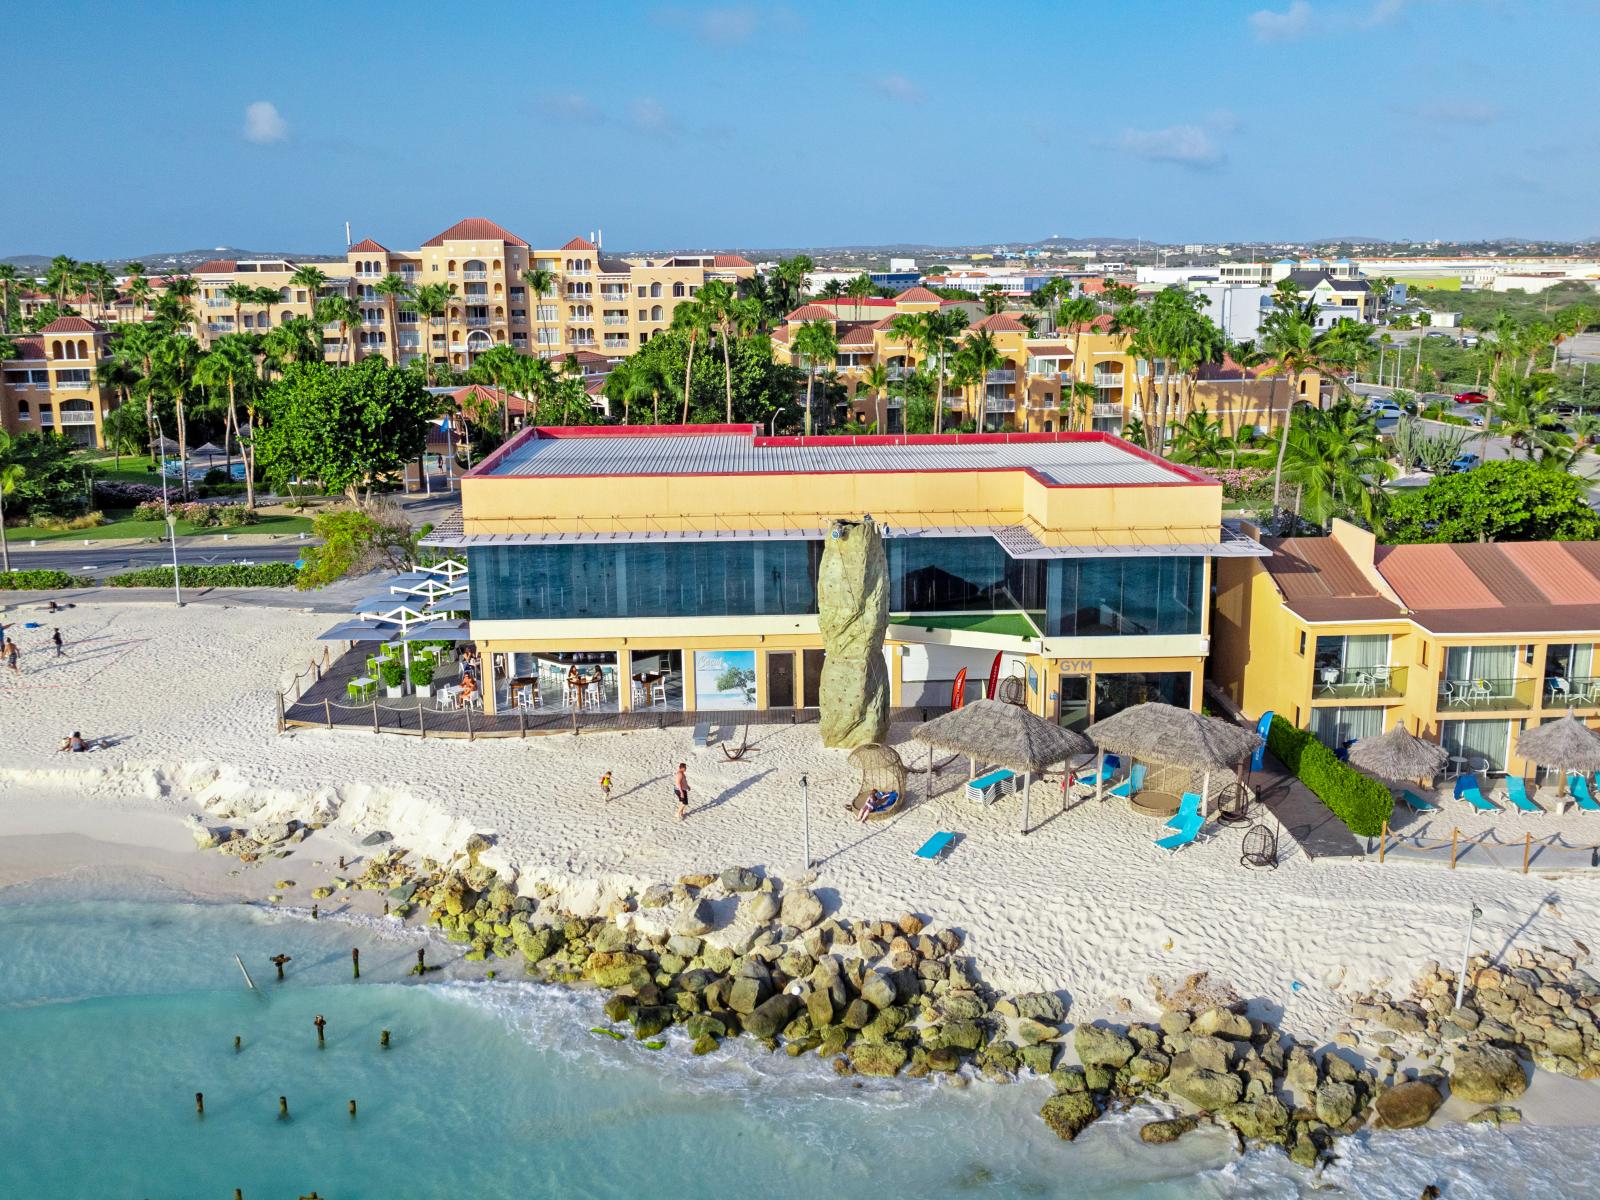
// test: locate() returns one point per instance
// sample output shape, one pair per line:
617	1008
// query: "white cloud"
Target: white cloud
570	106
1186	145
263	123
898	87
719	24
647	115
1294	22
1456	110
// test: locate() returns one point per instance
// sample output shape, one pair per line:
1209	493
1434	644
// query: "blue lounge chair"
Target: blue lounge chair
1107	772
1417	804
1187	830
1517	793
936	845
1131	784
1467	789
1578	785
1188	808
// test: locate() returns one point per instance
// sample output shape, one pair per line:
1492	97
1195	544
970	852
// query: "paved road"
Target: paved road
107	558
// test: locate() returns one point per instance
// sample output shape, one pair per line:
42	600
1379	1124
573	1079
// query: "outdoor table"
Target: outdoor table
362	687
1154	804
449	694
530	682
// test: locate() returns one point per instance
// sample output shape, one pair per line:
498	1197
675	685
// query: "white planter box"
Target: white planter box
424	690
394	693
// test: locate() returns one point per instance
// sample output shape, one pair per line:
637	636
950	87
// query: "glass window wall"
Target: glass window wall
1113	693
1109	596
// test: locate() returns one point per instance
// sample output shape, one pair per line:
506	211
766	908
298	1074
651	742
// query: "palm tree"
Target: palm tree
181	290
940	330
994	300
497	364
296	340
11	474
816	342
268	298
1074	316
137	346
541	283
117	376
431	301
62	279
789	282
231	364
689	318
1337	463
1522	412
9	278
1291	345
139	292
393	288
910	329
984	356
717	301
964	374
876	381
1199	439
175	360
343	312
1076	397
241	294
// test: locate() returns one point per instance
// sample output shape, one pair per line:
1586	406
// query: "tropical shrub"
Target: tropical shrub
197	514
111	493
1362	803
149	510
393	672
39	580
231	516
55	524
422	671
271	574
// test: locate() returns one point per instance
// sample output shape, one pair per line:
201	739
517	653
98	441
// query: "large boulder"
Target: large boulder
878	1058
1487	1075
747	992
878	990
853	615
1031	1032
615	970
697	920
1098	1046
961	1035
800	908
1220	1022
961	1005
1335	1102
1037	1006
1209	1090
740	879
819	1007
1407	1105
758	908
1261	1120
769	1017
1069	1113
1159	1133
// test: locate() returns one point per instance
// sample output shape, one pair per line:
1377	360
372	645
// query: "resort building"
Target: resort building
679	564
52	386
1046	380
1462	644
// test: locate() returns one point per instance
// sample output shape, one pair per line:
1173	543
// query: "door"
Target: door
780	679
811	673
1074	708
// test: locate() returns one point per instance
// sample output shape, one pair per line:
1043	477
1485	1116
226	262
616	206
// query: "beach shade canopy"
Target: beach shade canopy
1175	737
164	445
437	631
1566	743
209	450
1398	754
357	631
1005	734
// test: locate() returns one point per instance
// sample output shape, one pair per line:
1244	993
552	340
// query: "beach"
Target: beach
1084	903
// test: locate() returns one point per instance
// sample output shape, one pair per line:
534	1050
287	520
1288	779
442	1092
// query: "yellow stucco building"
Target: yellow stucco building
51	386
1462	644
679	563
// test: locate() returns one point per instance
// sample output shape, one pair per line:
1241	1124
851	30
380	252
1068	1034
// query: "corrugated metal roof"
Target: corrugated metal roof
1063	462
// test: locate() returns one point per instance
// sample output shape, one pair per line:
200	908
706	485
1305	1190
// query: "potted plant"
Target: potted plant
422	676
394	677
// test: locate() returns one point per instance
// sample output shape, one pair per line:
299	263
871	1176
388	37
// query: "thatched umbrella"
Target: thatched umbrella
1398	754
1006	734
1175	737
1565	743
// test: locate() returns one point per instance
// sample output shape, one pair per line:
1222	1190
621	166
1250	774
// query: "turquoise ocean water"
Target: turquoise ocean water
114	1013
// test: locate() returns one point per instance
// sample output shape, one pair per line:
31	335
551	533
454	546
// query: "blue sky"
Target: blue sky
157	126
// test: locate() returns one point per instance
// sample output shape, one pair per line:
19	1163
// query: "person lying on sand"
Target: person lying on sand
74	744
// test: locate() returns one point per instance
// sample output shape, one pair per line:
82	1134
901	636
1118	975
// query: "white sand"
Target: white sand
1085	903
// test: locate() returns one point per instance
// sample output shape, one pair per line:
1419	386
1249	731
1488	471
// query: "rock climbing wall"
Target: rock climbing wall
853	612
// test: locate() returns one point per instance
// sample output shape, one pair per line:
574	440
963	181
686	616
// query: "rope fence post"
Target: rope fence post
280	712
1527	851
468	711
327	711
1454	834
375	726
522	722
1383	840
421	728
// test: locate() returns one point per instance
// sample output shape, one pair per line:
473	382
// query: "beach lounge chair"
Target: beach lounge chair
1467	789
1517	793
1578	785
1131	784
1188	808
935	846
1106	774
1417	804
986	789
1187	830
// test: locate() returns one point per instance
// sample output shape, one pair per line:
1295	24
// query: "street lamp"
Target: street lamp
772	426
1466	952
805	800
172	536
166	509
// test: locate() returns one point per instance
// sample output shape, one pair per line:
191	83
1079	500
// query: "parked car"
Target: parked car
1464	463
1383	409
1470	397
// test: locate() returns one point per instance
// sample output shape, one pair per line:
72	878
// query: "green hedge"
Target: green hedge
272	574
1360	802
40	581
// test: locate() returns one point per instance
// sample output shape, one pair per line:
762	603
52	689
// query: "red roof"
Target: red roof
70	325
215	266
857	302
812	312
29	347
730	260
856	335
1228	369
918	295
579	243
475	229
495	396
999	323
367	246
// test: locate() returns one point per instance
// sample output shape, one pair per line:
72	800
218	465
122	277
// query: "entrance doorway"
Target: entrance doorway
780	679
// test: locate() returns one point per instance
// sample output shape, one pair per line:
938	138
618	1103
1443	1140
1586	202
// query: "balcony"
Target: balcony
617	343
1336	683
369	274
999	406
436	322
582	341
70	417
579	294
476	322
1487	695
1106	411
578	272
614	297
1007	375
616	320
1105	379
218	302
1572	691
475	276
897	374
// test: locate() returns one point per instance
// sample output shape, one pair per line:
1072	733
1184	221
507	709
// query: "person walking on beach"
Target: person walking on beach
680	788
55	636
11	658
605	787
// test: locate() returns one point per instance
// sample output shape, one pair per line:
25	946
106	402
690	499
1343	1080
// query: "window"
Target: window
1123	596
1302	643
1336	728
1485	740
656	313
1113	693
545	312
677	289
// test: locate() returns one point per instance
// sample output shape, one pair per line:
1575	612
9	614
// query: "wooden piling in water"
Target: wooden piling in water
200	1103
383	1039
283	1108
352	1110
355	961
238	1043
321	1023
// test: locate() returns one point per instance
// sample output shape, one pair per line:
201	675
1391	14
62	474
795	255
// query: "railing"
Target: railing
1572	691
614	297
617	343
1357	683
899	373
1107	379
475	297
616	320
69	417
475	276
371	274
1008	375
74	385
579	271
218	302
579	294
1487	695
477	322
582	341
1105	411
999	406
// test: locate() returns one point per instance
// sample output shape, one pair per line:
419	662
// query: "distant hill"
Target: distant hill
172	260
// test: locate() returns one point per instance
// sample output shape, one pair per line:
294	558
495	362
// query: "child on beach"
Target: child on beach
680	789
605	786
